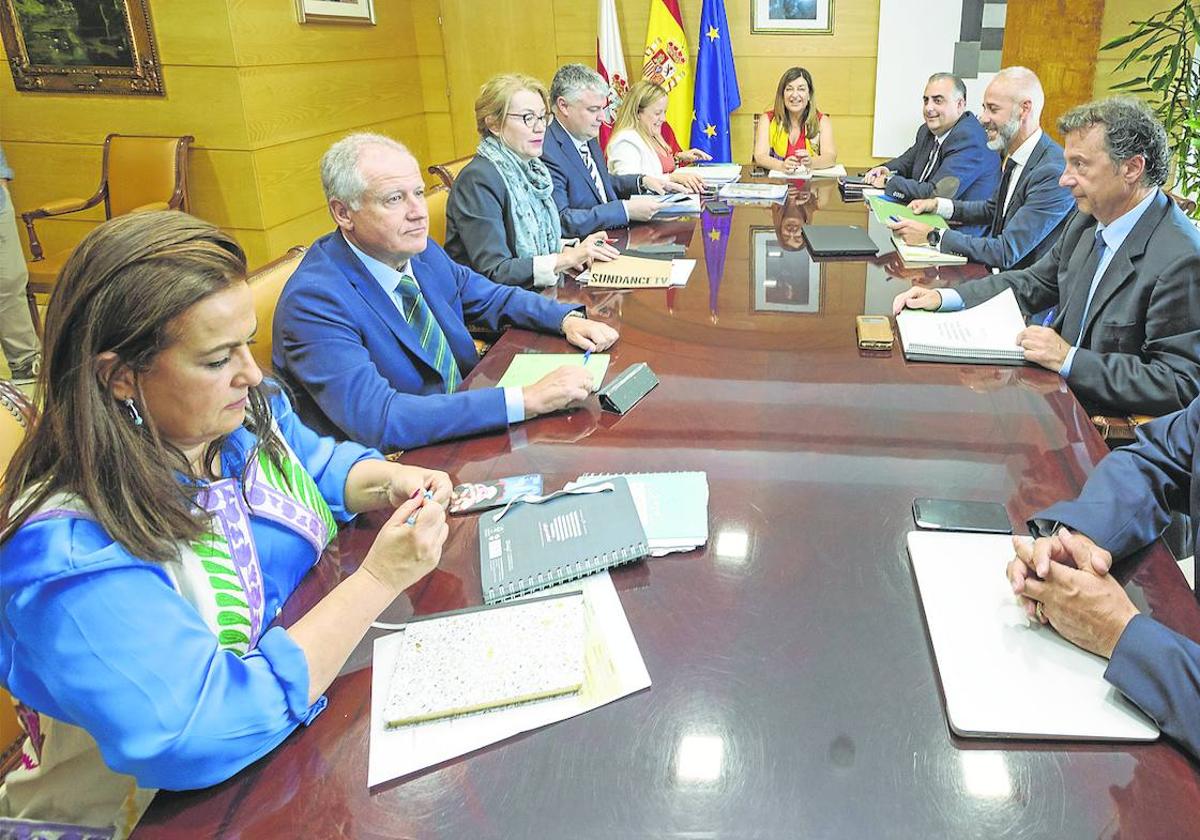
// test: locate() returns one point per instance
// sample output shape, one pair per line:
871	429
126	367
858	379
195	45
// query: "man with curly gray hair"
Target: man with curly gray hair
1122	283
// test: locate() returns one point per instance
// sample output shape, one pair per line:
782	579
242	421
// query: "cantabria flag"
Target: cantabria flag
610	63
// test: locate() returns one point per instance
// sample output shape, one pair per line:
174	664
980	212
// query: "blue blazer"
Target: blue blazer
1033	220
964	155
357	368
581	208
1124	506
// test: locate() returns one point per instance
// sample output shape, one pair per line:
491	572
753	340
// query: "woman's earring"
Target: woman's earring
133	412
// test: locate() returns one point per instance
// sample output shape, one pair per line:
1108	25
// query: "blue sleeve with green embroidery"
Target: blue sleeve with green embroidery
98	638
326	460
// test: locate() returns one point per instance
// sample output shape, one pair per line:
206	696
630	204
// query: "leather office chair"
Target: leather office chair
436	200
266	284
448	171
16	414
137	173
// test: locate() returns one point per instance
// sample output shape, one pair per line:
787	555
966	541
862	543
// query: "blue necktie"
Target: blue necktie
1091	271
433	341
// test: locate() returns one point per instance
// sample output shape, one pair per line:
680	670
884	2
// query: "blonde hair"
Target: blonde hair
495	95
641	95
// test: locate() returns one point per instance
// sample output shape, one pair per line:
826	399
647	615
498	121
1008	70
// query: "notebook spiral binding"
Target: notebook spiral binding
567	572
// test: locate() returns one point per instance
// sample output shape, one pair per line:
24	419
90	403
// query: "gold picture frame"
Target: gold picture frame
337	11
99	46
791	17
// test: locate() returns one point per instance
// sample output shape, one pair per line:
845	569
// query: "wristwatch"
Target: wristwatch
935	237
574	313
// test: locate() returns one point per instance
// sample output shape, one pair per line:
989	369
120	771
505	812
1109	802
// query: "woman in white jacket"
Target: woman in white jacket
637	146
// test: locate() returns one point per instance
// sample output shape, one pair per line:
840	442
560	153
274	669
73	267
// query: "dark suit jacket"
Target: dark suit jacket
340	342
964	155
1125	505
1033	221
1140	347
580	207
479	226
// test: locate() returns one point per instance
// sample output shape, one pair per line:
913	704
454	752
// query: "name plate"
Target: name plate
628	388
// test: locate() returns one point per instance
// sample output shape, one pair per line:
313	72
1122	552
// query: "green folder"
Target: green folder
884	208
528	368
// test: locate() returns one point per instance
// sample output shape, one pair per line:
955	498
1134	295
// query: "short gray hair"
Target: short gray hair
959	87
1130	128
340	177
573	79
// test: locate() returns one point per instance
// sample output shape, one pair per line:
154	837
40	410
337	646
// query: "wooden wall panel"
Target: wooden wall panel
484	39
1063	54
267	32
290	102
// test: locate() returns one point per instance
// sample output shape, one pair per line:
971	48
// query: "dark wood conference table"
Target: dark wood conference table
794	690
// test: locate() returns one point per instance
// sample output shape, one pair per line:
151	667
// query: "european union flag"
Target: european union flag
716	84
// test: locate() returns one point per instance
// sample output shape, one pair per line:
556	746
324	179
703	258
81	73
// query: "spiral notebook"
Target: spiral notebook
982	334
533	546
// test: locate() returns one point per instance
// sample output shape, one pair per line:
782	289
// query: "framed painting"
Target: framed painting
81	46
345	11
783	280
791	17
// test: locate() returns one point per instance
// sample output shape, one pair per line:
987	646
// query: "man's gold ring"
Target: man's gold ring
1038	612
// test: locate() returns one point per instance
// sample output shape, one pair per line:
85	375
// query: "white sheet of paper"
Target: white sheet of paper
991	326
403	751
681	271
1002	675
835	171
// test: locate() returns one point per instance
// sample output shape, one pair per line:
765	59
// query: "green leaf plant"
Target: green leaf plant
1162	58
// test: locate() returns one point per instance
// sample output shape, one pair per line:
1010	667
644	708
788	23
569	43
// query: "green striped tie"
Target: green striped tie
433	341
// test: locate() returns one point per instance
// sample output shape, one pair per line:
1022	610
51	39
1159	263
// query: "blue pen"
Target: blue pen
893	218
412	520
587	354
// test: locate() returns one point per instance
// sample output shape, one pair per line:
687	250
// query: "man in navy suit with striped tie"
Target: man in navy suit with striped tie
588	197
1026	214
371	332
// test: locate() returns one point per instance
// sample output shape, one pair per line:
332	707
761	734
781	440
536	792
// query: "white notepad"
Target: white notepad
983	333
1002	675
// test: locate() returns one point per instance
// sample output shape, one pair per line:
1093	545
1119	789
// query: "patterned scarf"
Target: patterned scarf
535	215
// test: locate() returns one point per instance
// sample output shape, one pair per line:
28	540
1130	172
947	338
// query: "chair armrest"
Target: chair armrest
59	208
1120	429
153	205
55	208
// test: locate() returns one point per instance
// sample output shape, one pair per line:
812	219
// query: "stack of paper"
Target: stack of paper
613	668
986	333
482	659
754	192
714	173
835	171
679	204
887	210
673	507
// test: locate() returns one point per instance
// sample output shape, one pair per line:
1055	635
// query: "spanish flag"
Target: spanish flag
668	63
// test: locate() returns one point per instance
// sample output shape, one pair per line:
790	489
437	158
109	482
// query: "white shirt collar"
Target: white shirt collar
1022	153
384	274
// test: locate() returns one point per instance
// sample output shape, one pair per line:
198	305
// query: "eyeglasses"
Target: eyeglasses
530	119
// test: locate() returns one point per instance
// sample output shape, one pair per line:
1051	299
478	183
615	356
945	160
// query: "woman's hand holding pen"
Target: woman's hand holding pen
590	249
